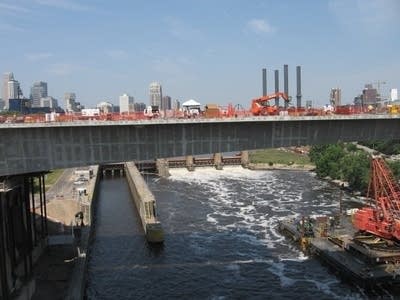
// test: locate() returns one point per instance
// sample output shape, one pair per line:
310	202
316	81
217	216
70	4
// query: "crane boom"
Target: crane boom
261	106
382	218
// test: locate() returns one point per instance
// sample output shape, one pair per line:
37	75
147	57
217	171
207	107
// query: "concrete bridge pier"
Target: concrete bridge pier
23	233
190	162
162	167
218	161
245	159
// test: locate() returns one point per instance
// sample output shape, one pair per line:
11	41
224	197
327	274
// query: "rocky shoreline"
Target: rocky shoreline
267	166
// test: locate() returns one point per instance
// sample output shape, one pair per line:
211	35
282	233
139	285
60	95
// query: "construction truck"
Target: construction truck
261	106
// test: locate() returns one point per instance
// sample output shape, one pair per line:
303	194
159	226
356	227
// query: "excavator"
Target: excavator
261	105
382	217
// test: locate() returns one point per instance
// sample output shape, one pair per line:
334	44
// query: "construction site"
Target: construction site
362	245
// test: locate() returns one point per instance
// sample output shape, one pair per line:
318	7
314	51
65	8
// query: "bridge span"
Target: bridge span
36	147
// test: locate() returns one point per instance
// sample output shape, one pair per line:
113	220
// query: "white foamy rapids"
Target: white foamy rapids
260	191
278	269
324	286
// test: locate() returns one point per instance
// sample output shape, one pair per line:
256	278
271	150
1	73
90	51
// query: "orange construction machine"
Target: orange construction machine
382	217
261	105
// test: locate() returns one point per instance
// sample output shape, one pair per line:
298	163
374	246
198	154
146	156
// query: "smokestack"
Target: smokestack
276	86
286	81
264	81
298	79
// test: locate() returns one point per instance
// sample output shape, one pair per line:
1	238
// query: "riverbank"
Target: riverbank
273	166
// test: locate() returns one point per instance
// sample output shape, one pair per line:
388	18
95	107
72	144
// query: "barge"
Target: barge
364	259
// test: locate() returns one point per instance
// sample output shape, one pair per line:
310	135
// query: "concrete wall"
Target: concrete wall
145	203
24	148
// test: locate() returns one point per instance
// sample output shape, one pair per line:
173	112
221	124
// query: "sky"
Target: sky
212	51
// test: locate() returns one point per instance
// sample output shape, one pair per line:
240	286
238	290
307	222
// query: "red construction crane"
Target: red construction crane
382	217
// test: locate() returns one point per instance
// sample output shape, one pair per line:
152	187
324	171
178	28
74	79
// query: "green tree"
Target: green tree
327	160
355	168
347	163
395	167
350	147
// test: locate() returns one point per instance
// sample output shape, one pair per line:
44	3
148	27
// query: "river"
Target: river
221	238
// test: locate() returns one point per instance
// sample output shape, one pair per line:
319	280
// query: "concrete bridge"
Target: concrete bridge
32	149
27	148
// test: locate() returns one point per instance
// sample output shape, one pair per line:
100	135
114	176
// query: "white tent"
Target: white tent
191	102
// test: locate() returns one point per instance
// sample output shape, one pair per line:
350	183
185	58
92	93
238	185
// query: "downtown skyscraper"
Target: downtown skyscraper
38	91
5	91
126	103
155	94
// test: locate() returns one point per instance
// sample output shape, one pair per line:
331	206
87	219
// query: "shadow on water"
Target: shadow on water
156	249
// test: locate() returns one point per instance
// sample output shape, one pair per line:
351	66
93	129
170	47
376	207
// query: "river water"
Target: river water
221	238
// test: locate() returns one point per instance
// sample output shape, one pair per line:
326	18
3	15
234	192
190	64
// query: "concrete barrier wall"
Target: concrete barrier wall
145	203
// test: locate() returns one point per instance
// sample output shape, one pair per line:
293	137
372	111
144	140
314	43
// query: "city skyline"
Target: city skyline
211	52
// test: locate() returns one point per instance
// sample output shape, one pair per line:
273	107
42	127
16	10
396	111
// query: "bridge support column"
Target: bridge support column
245	159
190	162
162	167
5	268
218	161
18	233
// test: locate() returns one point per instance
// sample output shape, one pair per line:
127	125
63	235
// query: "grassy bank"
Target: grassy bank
279	156
53	176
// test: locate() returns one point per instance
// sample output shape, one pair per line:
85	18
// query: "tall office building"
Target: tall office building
70	102
155	94
48	102
394	95
166	103
139	106
336	97
14	90
38	91
177	104
6	78
126	103
370	95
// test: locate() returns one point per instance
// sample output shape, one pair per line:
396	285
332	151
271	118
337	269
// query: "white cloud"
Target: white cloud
63	4
117	53
38	56
12	8
7	28
260	26
372	16
64	69
181	30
